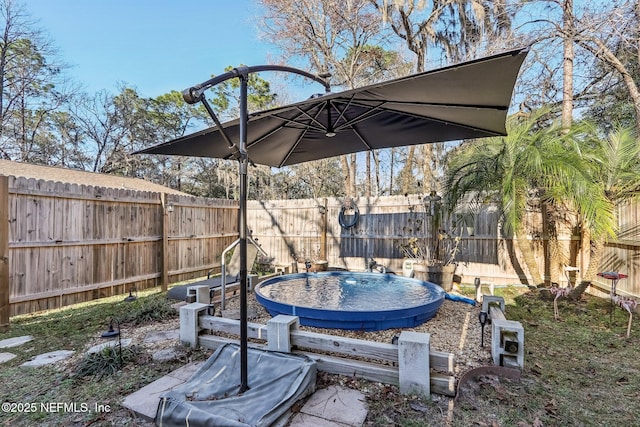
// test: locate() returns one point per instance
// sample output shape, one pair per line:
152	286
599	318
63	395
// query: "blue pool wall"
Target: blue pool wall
360	320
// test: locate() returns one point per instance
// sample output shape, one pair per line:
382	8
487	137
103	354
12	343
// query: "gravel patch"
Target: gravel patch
454	329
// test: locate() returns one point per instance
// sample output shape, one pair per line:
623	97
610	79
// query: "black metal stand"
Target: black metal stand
195	94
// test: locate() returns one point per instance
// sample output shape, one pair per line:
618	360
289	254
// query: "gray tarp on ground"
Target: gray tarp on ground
210	397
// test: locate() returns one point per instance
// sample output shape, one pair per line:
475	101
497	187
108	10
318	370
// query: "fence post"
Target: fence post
164	285
413	363
4	253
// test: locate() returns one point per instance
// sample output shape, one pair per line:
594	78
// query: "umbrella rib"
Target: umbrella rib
293	147
319	127
366	103
284	124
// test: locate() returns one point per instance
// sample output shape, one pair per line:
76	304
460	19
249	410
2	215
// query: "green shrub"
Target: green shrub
108	361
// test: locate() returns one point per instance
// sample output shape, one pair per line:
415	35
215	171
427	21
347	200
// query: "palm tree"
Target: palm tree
613	165
511	169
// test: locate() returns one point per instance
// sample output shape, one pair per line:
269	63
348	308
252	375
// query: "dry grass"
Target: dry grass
579	371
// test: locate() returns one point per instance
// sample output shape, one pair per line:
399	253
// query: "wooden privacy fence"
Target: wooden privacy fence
291	231
68	243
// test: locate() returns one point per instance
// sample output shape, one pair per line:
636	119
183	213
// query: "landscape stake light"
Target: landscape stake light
111	333
131	297
482	317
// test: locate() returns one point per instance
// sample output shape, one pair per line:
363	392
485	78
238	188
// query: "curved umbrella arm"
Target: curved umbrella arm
194	94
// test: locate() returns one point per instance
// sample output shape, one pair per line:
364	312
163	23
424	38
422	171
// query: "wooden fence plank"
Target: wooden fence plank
69	243
4	253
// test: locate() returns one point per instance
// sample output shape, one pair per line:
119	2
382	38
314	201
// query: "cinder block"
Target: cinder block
480	293
413	363
200	293
252	281
488	299
190	322
279	332
282	269
507	343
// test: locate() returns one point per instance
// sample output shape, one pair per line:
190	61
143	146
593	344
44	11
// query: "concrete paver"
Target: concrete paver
15	341
5	357
144	402
341	405
157	336
305	420
113	343
48	358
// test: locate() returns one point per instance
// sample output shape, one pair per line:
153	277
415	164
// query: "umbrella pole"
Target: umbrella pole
242	228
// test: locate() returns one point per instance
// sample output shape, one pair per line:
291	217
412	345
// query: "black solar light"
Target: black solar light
482	317
112	333
131	297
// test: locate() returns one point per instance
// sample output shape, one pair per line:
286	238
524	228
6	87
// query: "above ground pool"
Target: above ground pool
355	301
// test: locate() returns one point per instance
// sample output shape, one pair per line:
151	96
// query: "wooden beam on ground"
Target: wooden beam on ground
439	360
440	383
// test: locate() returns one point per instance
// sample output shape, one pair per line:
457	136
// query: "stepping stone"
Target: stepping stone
157	336
15	341
48	358
165	355
339	405
144	402
5	357
113	343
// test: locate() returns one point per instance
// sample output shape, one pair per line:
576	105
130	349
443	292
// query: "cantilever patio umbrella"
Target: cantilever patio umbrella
467	100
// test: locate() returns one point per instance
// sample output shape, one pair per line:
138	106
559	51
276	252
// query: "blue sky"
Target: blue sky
154	46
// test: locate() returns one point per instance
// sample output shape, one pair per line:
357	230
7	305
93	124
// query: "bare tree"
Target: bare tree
98	119
568	26
610	35
442	31
31	84
342	38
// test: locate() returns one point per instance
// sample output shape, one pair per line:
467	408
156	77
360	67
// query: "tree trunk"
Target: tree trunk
392	164
528	257
406	177
597	247
352	175
376	162
346	172
367	190
428	159
567	79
